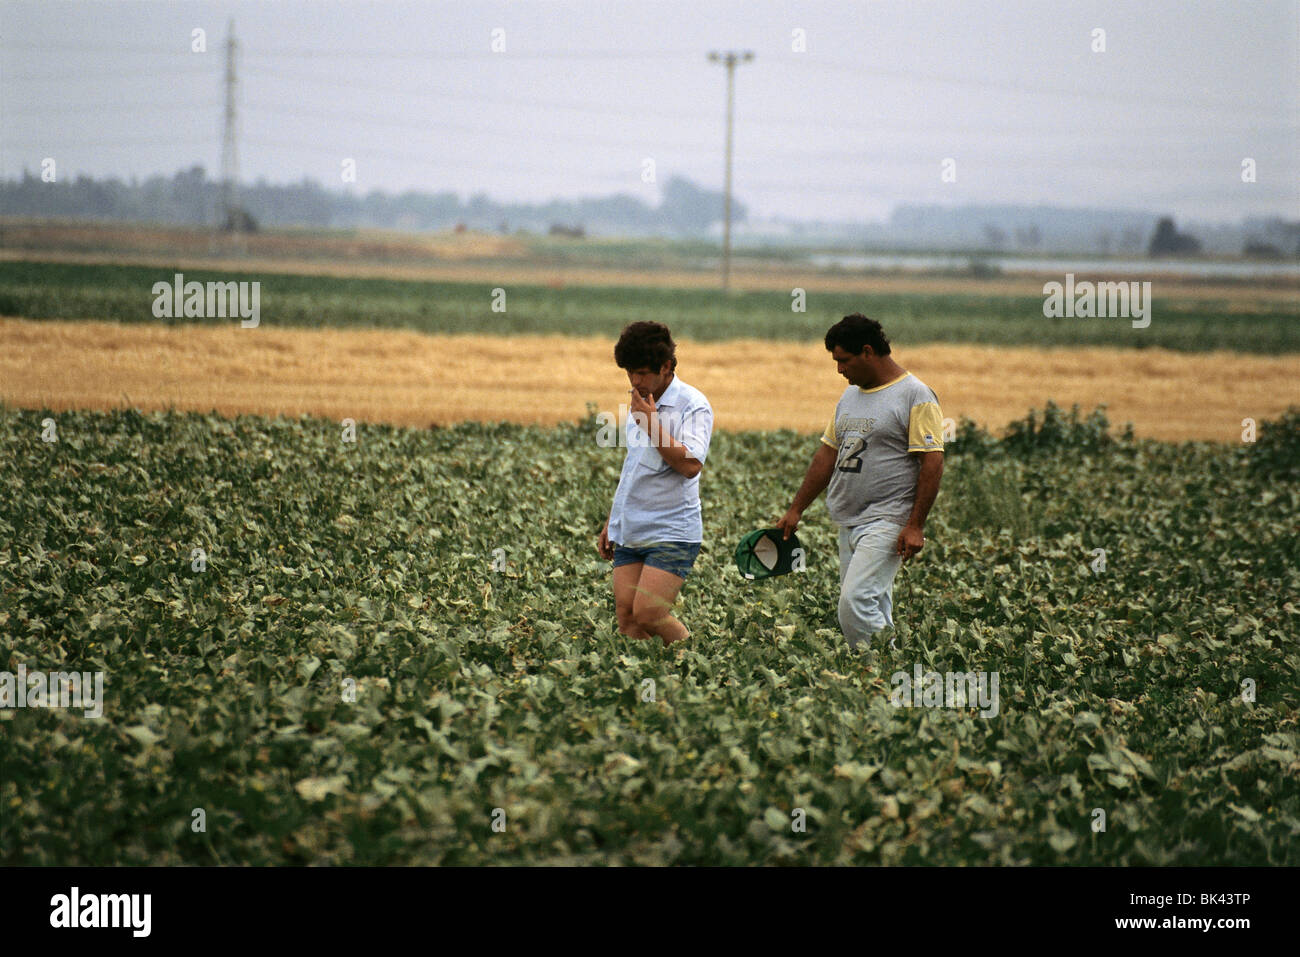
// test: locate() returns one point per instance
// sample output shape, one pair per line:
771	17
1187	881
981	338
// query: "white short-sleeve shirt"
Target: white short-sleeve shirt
653	502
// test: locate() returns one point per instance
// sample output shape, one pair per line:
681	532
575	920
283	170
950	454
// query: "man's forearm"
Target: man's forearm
927	488
816	479
673	452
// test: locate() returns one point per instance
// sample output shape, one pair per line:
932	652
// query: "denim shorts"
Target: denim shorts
676	558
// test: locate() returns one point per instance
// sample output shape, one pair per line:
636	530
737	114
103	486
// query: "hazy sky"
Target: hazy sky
584	93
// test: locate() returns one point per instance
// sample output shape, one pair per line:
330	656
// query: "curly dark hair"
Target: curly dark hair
853	332
645	345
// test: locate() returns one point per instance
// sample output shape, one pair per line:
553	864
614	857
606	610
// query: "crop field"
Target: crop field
1262	321
402	649
340	248
401	377
534	260
388	645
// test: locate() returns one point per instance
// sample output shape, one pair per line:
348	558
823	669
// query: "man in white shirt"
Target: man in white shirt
655	527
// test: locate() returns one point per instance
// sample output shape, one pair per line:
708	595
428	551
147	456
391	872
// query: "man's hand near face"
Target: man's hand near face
644	405
672	451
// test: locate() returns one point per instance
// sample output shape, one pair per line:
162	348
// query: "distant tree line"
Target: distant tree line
1040	229
190	197
1168	241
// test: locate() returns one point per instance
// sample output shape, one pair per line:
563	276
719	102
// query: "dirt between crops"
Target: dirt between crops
407	378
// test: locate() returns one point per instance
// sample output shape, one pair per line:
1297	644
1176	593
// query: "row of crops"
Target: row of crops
402	650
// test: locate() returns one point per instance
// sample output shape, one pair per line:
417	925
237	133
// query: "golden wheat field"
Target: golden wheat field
408	378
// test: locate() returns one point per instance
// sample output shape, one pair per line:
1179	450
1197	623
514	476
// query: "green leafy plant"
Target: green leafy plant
1054	430
1276	453
394	638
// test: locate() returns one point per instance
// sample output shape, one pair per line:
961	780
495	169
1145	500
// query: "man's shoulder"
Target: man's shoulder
916	390
691	397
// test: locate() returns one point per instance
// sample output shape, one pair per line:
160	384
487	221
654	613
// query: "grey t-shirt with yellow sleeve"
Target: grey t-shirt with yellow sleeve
877	433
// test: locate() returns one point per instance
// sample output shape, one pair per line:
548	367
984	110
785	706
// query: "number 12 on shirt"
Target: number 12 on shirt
851	455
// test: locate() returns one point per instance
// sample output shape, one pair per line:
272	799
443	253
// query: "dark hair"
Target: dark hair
853	332
645	345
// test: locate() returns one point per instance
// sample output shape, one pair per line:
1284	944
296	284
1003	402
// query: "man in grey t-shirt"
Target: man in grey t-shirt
882	457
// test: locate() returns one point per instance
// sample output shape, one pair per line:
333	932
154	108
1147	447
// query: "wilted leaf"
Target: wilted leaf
319	788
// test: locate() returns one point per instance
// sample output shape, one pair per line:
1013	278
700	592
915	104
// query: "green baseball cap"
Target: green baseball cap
765	553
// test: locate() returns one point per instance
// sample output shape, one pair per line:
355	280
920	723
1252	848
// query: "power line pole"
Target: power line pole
229	153
729	59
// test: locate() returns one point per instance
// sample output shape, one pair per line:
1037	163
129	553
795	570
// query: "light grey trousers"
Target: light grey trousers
869	560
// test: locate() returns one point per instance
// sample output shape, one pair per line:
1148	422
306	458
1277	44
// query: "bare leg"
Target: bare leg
652	609
626	578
